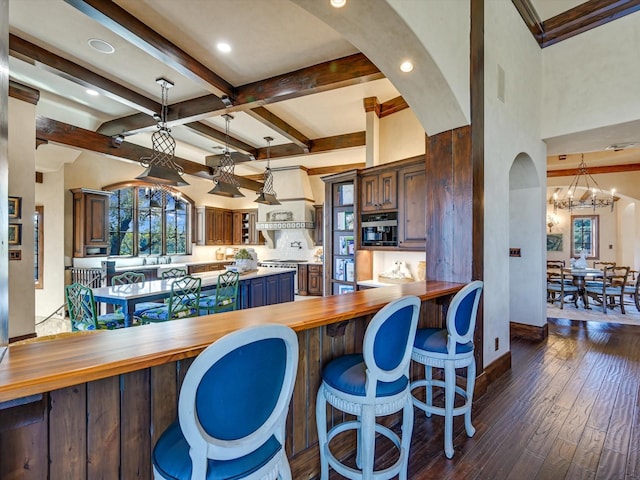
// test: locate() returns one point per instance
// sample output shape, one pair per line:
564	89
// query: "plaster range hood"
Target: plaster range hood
295	211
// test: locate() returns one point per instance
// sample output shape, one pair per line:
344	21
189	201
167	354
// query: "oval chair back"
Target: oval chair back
233	402
462	315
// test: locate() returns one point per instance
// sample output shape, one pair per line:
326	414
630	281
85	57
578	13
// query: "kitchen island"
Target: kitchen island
263	286
93	405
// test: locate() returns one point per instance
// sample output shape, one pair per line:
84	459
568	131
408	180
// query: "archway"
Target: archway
525	286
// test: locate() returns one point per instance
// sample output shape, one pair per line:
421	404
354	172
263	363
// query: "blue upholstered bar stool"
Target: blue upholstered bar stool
450	348
368	385
232	410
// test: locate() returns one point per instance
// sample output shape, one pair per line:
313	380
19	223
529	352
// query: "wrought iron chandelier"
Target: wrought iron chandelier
267	194
161	168
224	180
594	197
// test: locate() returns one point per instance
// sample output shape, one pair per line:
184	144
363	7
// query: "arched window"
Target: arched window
144	220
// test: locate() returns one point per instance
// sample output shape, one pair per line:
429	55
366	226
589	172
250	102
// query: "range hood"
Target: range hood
295	211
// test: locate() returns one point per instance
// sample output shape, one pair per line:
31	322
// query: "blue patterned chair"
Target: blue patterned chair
233	409
183	302
226	296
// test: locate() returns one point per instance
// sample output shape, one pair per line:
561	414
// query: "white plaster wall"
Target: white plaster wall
511	127
50	195
591	80
628	214
401	136
443	26
22	132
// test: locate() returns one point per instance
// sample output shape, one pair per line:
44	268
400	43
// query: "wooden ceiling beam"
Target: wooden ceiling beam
52	131
274	122
579	19
570	172
23	92
326	76
69	70
121	22
210	132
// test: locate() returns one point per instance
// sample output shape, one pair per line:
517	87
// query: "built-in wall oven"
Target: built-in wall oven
379	229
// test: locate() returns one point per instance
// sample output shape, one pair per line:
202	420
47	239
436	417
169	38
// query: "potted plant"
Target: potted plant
243	260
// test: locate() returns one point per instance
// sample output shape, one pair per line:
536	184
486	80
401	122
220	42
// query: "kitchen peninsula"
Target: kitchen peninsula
103	398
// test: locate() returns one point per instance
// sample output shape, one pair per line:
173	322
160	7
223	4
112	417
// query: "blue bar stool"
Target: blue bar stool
450	348
232	410
368	385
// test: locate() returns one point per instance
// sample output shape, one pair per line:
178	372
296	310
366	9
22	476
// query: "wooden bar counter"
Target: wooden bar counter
90	406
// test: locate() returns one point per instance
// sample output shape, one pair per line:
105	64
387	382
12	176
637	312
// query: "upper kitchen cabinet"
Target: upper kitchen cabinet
378	190
244	228
214	226
90	222
412	207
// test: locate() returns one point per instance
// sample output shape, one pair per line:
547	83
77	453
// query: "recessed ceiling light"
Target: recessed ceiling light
406	66
92	92
101	46
338	3
224	47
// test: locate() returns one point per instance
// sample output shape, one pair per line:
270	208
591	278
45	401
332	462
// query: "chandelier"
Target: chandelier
161	168
267	194
594	197
159	196
224	180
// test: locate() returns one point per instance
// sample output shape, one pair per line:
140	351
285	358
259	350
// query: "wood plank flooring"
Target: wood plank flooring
568	409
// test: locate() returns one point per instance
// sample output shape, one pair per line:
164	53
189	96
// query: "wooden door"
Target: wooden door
369	198
412	211
237	228
387	190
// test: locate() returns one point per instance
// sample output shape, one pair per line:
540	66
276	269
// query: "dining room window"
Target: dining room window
148	221
584	236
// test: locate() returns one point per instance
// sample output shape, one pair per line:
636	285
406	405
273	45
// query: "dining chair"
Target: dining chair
174	272
232	409
609	287
559	285
183	302
449	349
632	288
83	310
593	281
226	295
371	384
127	278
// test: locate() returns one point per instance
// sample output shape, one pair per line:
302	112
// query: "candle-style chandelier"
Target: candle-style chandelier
593	197
161	168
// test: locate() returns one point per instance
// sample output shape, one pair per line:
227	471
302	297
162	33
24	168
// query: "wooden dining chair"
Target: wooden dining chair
609	287
559	285
632	288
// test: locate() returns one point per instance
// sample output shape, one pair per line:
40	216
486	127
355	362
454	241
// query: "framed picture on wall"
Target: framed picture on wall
15	234
15	207
554	242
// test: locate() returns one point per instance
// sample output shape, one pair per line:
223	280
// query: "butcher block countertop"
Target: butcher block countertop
39	367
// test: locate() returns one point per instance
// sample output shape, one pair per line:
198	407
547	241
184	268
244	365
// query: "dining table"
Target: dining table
579	277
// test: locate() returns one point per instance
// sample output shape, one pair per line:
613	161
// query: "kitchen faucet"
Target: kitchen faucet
297	243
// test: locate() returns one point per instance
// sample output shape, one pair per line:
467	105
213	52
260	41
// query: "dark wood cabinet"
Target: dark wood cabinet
207	267
214	226
412	207
238	228
378	191
90	222
310	279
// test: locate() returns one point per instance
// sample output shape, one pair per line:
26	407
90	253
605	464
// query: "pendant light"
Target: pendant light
267	194
225	183
594	197
161	167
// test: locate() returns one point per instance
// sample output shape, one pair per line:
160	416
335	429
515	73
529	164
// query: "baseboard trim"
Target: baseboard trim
529	332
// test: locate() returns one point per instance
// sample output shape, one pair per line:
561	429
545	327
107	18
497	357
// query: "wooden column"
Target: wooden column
455	187
4	175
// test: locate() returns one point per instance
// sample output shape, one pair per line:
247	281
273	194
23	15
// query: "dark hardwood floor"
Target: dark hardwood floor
568	409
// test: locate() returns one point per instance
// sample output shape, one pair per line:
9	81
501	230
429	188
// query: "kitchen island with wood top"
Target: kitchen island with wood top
94	405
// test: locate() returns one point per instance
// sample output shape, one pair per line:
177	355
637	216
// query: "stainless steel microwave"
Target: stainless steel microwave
379	229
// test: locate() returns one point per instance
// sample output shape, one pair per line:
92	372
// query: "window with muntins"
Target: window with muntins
146	221
584	236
